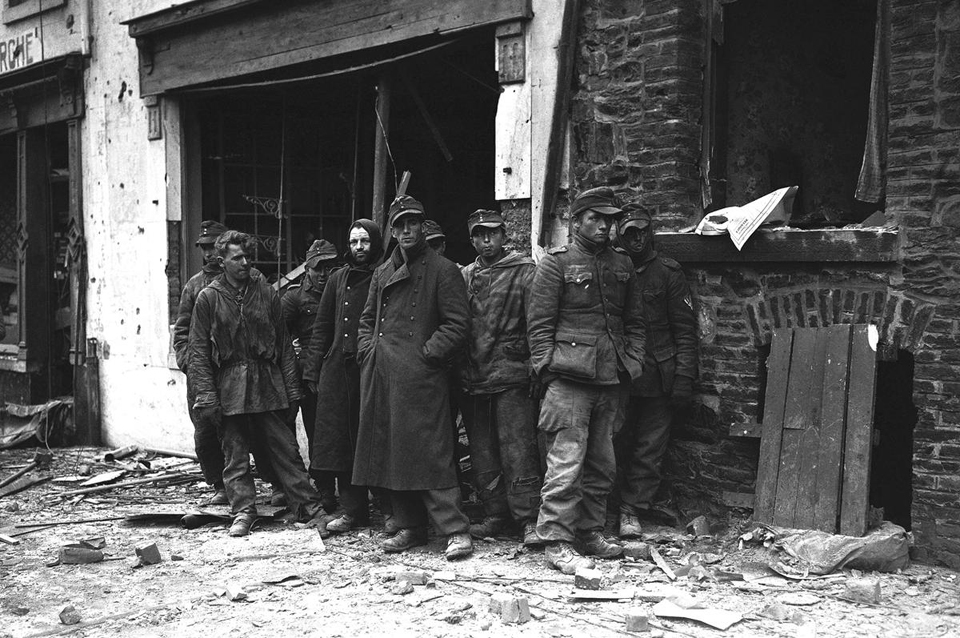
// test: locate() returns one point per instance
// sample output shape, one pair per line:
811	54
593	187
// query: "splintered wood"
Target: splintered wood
814	470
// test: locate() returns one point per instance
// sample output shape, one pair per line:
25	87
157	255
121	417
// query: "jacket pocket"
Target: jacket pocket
577	289
575	356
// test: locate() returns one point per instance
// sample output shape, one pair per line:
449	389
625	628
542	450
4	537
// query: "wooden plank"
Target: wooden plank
778	369
870	245
855	487
833	419
182	14
810	435
795	419
263	37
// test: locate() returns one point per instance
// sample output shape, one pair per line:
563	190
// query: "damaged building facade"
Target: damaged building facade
135	121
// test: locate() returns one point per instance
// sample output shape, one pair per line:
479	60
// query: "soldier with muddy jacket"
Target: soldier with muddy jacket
300	305
666	387
586	333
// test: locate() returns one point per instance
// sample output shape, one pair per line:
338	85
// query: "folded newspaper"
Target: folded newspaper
740	222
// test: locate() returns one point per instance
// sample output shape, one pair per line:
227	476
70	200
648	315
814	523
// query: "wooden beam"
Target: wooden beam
833	420
380	151
182	14
840	245
425	114
778	370
266	36
566	54
855	489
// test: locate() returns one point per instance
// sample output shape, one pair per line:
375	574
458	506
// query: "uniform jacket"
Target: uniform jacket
585	322
299	305
497	356
188	298
671	326
240	356
413	325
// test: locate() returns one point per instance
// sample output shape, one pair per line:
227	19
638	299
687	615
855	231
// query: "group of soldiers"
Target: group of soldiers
546	364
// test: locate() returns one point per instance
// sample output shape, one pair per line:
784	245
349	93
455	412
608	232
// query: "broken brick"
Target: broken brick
587	578
148	554
69	615
637	620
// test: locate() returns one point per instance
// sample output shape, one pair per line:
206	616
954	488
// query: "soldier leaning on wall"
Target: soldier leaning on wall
665	390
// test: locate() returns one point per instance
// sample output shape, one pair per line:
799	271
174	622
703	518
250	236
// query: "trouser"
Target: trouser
645	436
504	457
238	434
440	507
578	422
354	499
206	442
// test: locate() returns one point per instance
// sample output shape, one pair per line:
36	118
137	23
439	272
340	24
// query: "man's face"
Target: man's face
320	272
439	245
593	226
408	230
488	242
209	253
636	240
236	264
360	246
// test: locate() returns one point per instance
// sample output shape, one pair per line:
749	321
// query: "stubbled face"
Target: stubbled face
209	254
360	245
636	240
236	264
407	231
488	242
593	226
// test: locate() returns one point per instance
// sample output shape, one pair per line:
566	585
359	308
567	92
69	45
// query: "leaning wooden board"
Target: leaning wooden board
815	450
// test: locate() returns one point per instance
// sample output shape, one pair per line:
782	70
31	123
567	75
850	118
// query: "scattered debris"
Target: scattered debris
401	588
862	590
148	554
9	540
103	478
120	453
96	542
414	577
798	598
587	578
716	618
662	564
636	551
78	555
235	592
699	526
638	620
69	615
606	594
23	483
511	609
40	459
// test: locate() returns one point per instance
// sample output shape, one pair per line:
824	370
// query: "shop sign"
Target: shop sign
18	51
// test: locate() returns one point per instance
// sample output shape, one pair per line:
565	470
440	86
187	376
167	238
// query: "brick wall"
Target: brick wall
923	195
636	118
636	109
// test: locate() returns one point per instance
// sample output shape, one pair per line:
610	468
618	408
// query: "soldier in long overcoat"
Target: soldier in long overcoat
413	325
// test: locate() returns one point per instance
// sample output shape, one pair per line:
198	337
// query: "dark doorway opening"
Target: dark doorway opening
894	421
312	143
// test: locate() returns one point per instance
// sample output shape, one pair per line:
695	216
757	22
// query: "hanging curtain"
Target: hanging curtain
871	185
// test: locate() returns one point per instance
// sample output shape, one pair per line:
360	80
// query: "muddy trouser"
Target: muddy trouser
504	458
440	507
206	442
645	435
239	433
578	422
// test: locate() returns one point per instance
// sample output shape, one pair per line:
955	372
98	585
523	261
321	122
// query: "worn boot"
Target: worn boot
242	524
629	525
594	544
530	538
219	497
489	527
564	558
343	523
390	527
458	546
277	496
406	538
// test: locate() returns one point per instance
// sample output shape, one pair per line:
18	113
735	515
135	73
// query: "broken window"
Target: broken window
791	96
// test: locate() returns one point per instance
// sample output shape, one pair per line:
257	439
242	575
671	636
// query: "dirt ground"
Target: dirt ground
295	584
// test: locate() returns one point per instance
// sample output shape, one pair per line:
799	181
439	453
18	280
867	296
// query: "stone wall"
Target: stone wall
923	196
636	109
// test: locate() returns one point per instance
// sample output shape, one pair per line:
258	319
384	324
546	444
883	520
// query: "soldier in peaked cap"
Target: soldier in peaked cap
434	236
499	409
299	305
665	389
413	325
586	334
205	437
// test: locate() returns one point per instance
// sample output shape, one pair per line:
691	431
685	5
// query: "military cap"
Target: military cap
600	200
634	215
404	205
432	230
209	231
320	250
487	218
